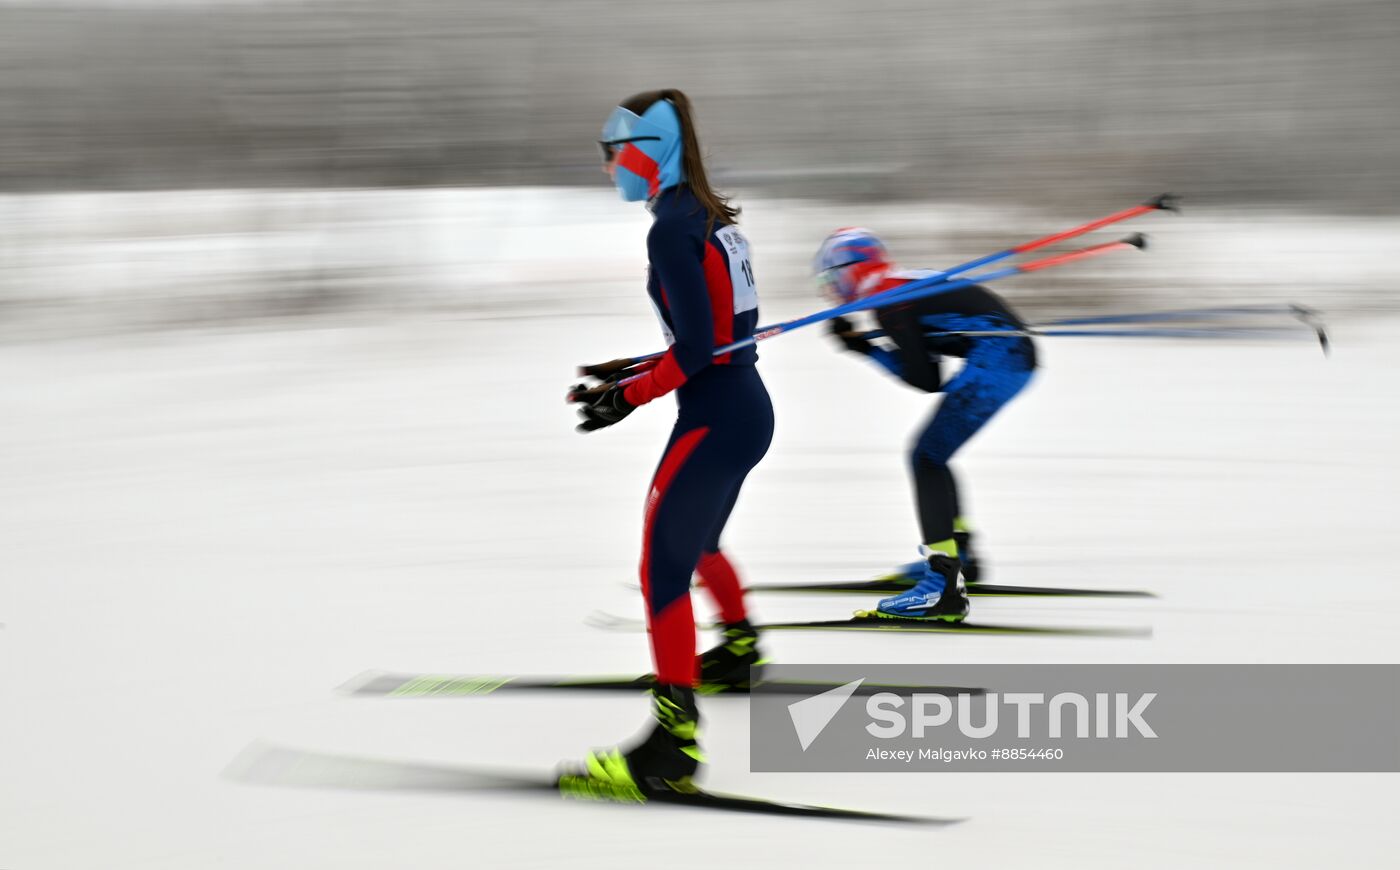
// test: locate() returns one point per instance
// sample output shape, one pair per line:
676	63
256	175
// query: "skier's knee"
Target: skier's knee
929	458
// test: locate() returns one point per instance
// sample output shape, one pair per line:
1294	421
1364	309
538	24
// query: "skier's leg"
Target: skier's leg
691	493
729	663
670	552
980	390
687	495
695	489
970	400
716	572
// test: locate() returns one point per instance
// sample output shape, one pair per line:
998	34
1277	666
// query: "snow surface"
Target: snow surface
206	530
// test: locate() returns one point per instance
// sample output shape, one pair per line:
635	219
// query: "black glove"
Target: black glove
845	331
600	406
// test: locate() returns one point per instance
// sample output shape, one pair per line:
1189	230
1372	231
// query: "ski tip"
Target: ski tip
258	763
901	819
357	684
993	590
704	799
1137	240
268	764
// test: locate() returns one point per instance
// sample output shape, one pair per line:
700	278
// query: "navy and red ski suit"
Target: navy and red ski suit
701	283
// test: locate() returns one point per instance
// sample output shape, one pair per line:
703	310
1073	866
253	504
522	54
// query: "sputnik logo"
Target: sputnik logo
810	716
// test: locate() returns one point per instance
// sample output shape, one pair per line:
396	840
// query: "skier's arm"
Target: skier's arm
911	360
887	360
675	255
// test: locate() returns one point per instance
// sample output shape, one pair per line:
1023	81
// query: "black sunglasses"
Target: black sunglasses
608	144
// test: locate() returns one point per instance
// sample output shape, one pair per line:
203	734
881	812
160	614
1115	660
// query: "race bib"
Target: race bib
740	268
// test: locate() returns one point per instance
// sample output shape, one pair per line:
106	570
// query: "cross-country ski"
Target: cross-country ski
269	764
390	685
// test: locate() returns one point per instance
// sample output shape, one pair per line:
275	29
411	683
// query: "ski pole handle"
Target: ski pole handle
604	370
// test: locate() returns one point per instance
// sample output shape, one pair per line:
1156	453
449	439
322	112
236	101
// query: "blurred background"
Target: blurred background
1261	101
189	161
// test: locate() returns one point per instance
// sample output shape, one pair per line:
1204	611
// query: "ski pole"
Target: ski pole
1306	316
1179	332
1161	202
1184	314
1142	332
613	369
925	288
914	289
934	285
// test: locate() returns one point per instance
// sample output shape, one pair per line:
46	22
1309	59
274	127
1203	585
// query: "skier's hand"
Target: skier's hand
846	333
600	406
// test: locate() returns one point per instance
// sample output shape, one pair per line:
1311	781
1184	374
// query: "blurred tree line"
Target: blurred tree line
1241	101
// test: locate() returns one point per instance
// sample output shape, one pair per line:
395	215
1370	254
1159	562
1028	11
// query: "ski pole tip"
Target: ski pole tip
1165	202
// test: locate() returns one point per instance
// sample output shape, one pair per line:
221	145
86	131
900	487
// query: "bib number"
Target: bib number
740	268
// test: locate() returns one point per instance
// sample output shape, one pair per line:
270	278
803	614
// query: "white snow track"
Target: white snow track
204	532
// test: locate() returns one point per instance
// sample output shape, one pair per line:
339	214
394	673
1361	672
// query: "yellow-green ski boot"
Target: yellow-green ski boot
735	663
667	760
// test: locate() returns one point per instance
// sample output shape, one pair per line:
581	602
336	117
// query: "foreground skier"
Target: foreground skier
852	264
701	285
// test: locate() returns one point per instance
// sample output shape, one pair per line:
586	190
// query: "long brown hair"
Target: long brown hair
716	206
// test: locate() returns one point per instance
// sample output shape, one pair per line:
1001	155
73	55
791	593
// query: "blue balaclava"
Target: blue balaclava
646	148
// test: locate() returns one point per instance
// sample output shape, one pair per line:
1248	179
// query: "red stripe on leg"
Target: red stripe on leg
673	643
673	630
718	576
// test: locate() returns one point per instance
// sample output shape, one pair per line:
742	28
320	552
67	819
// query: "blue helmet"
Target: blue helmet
645	148
851	262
